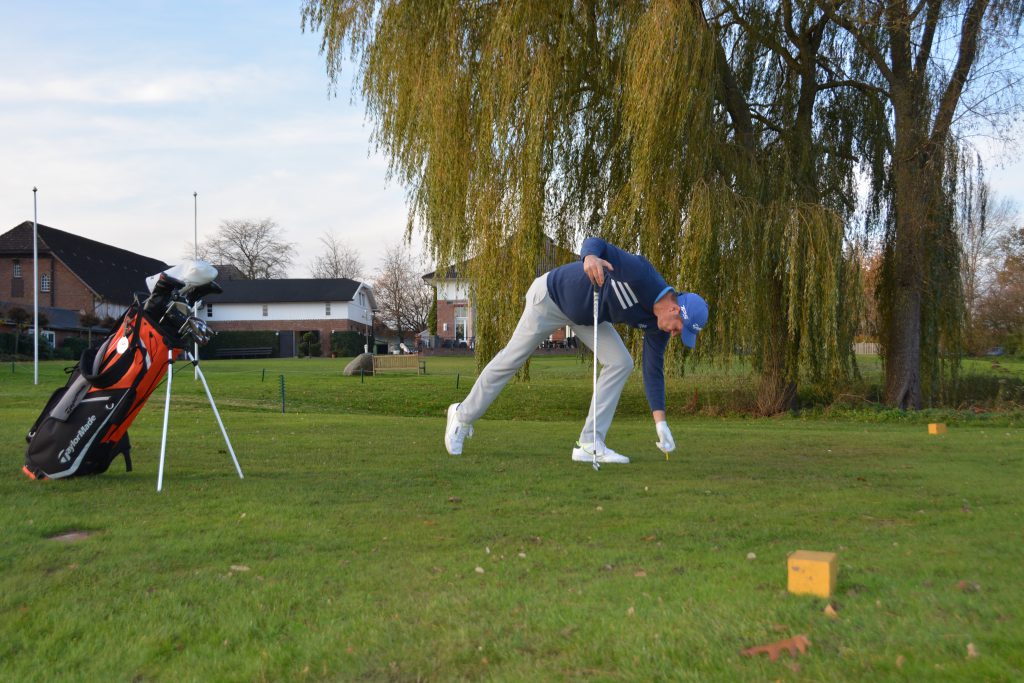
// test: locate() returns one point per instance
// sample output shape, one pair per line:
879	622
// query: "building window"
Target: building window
209	310
265	311
444	327
44	282
362	299
17	268
327	308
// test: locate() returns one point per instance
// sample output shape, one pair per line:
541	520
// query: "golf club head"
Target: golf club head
198	330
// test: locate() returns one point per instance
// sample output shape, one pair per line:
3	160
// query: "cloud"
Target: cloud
138	86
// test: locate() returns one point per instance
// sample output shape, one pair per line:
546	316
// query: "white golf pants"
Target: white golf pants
540	318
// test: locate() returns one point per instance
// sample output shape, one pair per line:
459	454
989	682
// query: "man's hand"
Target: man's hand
594	268
666	444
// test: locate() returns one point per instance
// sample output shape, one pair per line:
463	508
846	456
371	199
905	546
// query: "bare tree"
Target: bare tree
257	248
983	219
1001	310
338	259
403	299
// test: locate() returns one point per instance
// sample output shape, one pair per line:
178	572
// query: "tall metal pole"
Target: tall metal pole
195	247
35	285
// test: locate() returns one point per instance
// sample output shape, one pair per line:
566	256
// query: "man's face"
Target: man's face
667	311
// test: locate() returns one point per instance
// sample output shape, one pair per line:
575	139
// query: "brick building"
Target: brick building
292	307
76	276
456	312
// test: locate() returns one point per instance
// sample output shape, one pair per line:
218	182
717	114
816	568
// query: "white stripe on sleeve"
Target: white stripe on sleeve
618	294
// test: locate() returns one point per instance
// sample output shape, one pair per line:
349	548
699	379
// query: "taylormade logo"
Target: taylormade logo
66	453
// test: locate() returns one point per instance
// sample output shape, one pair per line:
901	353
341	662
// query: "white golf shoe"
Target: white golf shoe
583	453
455	432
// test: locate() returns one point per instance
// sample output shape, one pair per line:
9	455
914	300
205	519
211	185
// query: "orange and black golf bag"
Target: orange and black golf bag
84	425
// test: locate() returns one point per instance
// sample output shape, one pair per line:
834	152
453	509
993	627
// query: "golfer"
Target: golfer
630	291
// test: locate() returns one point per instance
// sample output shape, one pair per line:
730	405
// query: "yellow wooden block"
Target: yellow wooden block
937	428
813	573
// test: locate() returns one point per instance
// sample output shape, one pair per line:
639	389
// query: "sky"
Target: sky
118	111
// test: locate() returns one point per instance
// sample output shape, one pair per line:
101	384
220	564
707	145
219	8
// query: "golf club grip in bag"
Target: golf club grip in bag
84	425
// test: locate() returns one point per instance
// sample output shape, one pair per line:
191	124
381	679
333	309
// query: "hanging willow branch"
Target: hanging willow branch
512	121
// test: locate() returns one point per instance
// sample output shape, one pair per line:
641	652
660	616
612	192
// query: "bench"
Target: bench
250	352
411	361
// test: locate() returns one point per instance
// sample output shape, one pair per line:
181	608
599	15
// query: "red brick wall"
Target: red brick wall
66	290
446	314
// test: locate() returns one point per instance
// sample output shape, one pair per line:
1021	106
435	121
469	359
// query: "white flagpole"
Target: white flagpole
195	247
35	285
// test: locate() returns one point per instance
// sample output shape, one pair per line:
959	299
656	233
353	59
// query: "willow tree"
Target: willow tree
509	121
924	56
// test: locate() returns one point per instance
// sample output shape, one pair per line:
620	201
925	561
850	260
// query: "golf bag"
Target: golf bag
84	425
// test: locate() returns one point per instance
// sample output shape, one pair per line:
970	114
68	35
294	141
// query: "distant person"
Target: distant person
631	291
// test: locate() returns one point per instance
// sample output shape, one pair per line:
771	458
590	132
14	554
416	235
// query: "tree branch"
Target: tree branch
931	22
968	52
865	88
869	48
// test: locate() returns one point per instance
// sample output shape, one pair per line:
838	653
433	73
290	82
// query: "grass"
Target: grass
356	549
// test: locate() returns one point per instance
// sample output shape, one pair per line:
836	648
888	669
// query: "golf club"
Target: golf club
593	398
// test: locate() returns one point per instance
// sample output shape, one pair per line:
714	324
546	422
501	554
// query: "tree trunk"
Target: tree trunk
914	169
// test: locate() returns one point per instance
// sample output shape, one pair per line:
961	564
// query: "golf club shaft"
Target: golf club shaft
593	399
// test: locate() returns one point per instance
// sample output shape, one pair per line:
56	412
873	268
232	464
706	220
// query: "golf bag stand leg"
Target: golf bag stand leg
167	412
216	413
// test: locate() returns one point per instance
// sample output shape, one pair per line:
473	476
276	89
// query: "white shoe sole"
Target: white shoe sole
452	410
581	455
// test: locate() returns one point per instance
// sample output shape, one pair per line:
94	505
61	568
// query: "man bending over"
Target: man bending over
630	291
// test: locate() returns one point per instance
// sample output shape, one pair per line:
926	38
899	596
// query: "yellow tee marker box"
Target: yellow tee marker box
812	573
937	428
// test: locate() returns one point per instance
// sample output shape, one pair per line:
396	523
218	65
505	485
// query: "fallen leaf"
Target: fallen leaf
650	538
796	644
751	556
779	628
640	573
239	568
900	661
968	586
972	651
479	570
831	612
454	499
630	612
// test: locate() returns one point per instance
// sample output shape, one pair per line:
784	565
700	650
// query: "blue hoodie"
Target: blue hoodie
627	297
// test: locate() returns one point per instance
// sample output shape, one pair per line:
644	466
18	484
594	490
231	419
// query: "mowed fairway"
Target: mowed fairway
357	549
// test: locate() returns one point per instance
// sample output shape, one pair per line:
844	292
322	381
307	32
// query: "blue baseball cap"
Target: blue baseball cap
694	312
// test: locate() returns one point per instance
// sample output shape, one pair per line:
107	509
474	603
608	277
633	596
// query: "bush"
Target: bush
348	344
71	348
309	345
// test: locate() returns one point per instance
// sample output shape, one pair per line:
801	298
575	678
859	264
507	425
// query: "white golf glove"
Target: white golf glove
665	441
